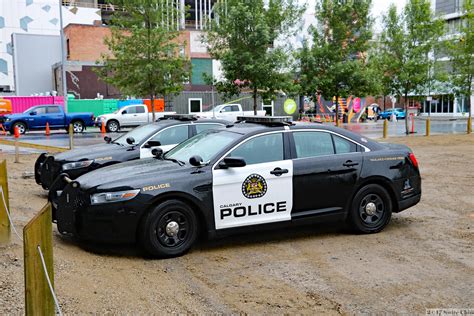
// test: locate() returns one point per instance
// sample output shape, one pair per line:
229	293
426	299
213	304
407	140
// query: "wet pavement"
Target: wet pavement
371	129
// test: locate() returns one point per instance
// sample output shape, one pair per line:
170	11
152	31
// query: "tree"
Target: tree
244	38
336	63
144	58
407	41
461	50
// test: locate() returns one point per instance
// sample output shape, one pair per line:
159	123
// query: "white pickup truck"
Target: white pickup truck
128	116
228	112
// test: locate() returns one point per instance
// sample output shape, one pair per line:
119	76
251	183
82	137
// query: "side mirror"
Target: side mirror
107	139
195	161
124	112
33	113
232	162
130	140
152	143
157	152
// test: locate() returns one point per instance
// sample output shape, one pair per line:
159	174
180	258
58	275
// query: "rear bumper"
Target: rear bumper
408	202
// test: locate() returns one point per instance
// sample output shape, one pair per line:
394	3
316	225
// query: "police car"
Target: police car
136	144
258	173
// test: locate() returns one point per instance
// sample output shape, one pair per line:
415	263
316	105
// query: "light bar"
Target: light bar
180	117
266	119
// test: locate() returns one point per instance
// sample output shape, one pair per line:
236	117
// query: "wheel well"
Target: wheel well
384	183
19	121
78	120
183	198
112	120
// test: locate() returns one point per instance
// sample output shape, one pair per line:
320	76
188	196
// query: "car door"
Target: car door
128	116
226	113
169	137
326	168
55	116
37	117
141	116
258	193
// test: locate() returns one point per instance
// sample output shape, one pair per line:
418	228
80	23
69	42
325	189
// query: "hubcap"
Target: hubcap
172	229
21	128
371	209
113	127
77	127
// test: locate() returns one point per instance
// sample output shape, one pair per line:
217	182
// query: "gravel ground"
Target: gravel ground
423	259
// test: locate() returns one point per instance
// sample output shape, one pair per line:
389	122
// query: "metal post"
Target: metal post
63	55
71	137
428	127
385	128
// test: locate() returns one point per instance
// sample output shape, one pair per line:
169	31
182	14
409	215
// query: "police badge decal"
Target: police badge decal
254	186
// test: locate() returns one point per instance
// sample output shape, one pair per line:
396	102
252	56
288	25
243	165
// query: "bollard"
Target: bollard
385	128
4	203
428	127
16	132
71	137
37	235
469	125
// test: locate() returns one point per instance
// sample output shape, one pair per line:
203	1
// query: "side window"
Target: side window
203	127
313	144
261	149
53	109
227	109
173	135
131	110
140	109
235	108
343	145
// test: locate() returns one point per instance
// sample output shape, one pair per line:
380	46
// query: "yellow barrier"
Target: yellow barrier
38	250
385	128
428	127
469	125
4	222
33	146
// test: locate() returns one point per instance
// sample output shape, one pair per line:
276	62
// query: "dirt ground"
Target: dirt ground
423	259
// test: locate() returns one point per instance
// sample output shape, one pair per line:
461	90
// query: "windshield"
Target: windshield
217	108
139	134
206	144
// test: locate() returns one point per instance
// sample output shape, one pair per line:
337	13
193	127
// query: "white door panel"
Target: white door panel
252	195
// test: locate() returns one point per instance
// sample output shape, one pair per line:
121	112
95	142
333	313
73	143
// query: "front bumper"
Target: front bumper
50	170
114	222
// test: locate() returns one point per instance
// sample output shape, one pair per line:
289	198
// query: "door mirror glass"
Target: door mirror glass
195	161
232	162
152	143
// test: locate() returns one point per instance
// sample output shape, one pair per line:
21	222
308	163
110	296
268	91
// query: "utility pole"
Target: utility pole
63	55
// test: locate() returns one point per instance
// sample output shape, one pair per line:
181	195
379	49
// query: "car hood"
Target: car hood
128	174
15	115
103	151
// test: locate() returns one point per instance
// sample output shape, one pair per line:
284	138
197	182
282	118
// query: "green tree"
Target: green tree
407	41
144	58
244	38
461	50
335	65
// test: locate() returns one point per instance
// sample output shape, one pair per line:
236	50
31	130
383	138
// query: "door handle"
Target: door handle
278	171
350	163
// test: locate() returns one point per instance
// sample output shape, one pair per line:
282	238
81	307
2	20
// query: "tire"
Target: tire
370	218
112	126
21	128
156	230
78	126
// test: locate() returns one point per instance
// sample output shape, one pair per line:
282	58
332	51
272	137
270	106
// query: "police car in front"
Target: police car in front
166	133
259	173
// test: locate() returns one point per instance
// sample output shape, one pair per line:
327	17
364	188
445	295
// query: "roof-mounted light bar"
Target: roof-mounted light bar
179	117
266	120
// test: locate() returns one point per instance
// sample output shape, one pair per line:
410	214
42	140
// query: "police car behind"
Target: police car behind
136	144
259	173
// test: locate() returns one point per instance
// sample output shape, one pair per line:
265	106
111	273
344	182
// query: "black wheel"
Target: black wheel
112	126
78	126
371	209
21	128
169	230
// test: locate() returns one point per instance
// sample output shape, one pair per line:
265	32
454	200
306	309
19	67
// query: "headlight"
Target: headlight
8	119
110	197
77	164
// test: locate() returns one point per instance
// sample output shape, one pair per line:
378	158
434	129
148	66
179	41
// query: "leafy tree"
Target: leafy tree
407	41
145	57
461	50
336	63
244	37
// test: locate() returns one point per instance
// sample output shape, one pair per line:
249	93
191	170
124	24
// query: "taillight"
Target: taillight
413	160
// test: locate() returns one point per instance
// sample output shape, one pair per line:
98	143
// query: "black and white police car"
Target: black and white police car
139	143
258	173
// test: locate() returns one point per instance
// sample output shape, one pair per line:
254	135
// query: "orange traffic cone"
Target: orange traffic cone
16	132
102	127
47	129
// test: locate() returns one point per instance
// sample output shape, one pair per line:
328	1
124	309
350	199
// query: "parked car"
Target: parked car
258	173
387	114
128	116
228	112
36	118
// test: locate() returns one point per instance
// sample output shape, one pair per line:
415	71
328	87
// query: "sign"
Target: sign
289	106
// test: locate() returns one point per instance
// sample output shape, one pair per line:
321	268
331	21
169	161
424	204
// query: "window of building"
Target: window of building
201	67
195	105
